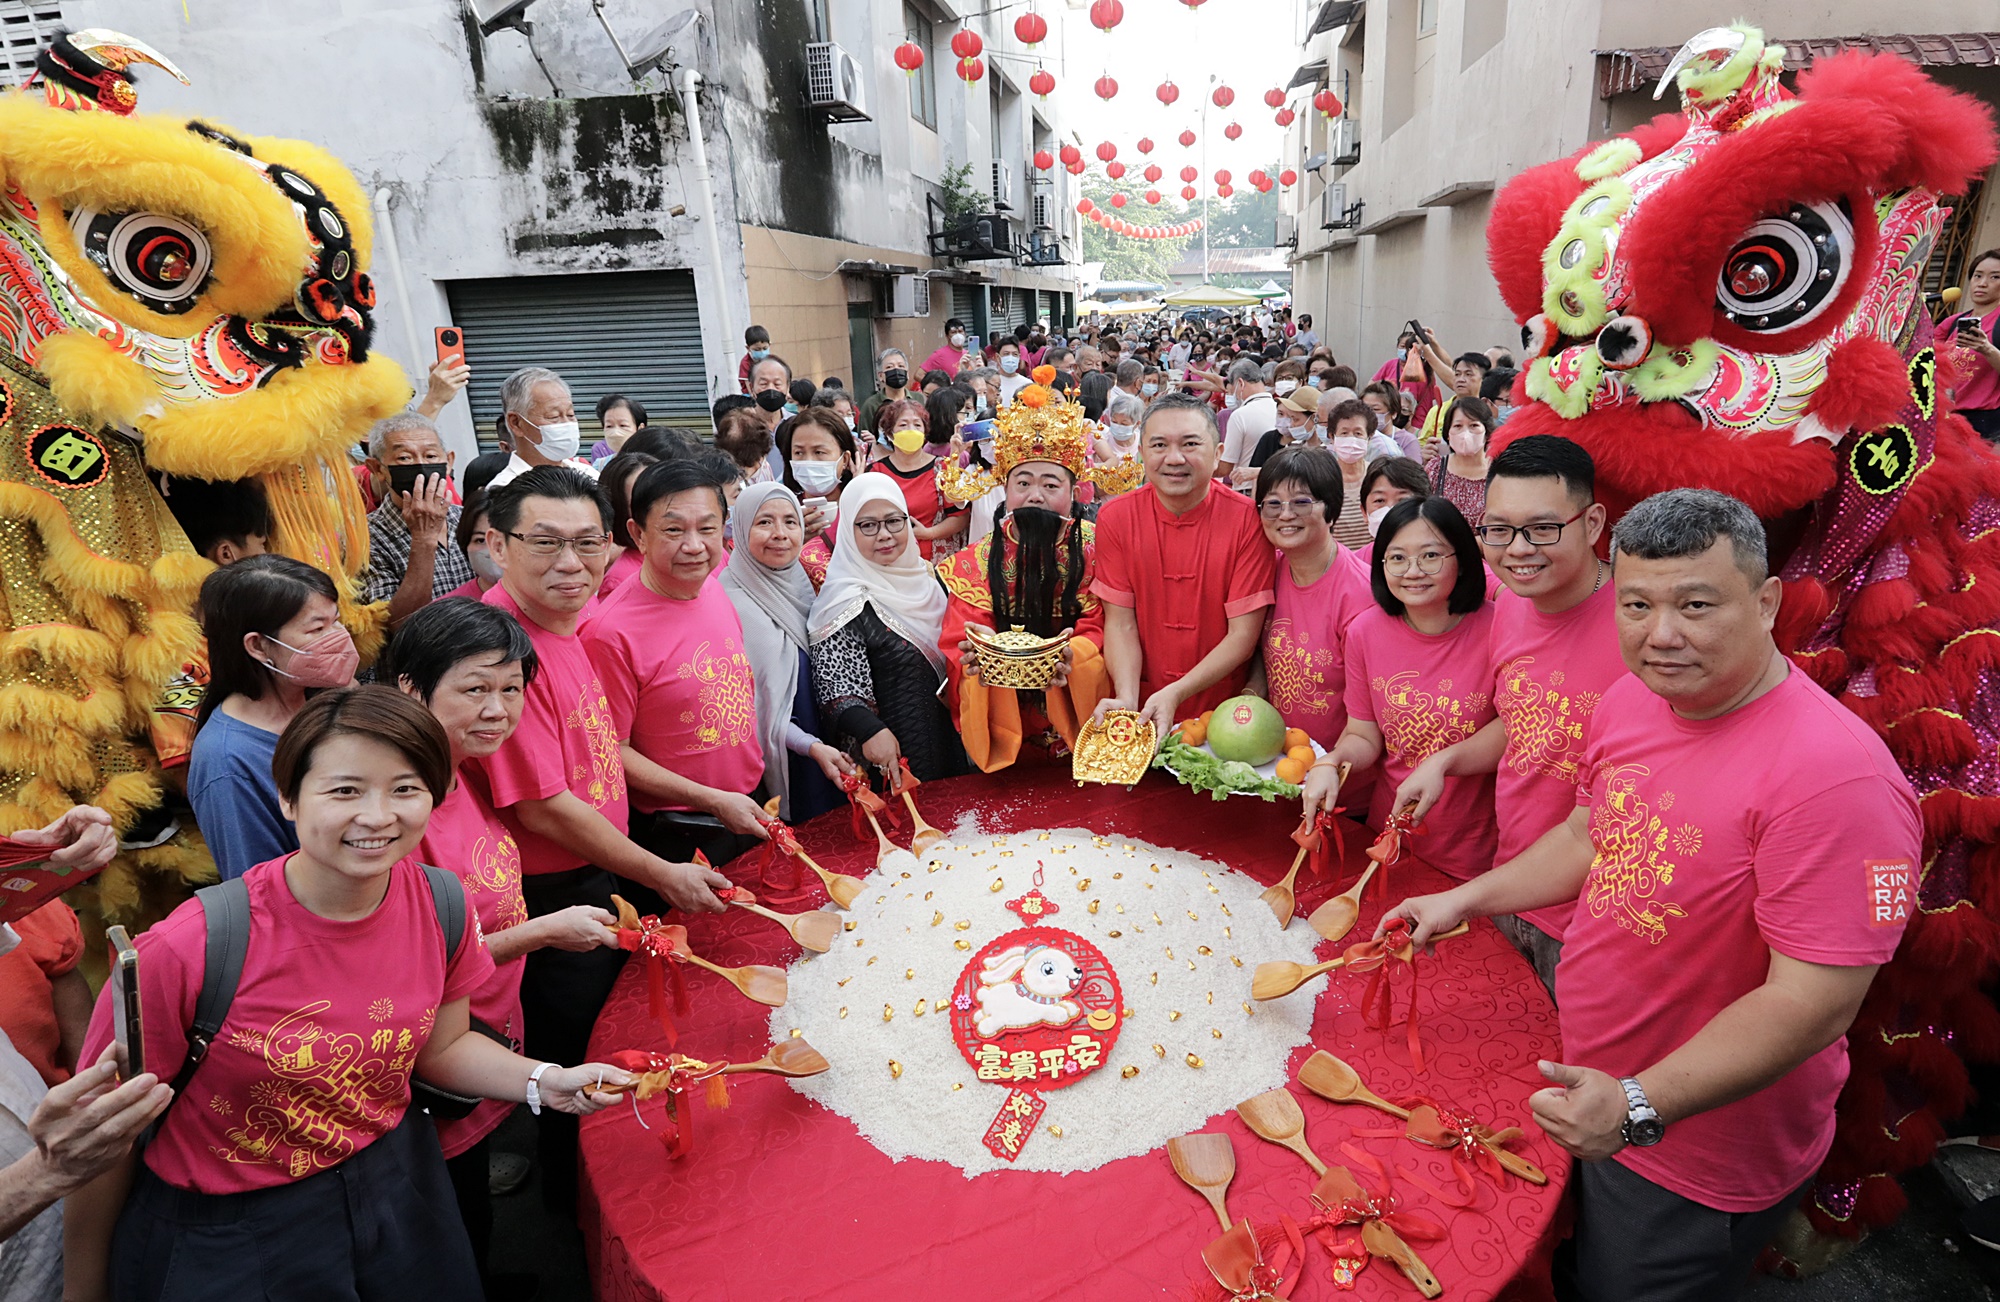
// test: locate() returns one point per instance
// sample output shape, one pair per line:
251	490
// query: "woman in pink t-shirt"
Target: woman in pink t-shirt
470	664
1417	681
616	479
349	988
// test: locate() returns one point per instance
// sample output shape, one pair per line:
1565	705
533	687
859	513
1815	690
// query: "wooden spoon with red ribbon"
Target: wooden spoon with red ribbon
926	835
1280	897
792	1057
816	930
765	985
1278	979
1337	1082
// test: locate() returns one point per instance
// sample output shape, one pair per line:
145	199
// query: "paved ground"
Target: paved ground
1922	1258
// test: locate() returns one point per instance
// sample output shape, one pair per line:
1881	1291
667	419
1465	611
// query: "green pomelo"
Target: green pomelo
1246	728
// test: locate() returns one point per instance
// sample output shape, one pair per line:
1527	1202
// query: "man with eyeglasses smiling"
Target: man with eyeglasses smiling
1554	654
559	781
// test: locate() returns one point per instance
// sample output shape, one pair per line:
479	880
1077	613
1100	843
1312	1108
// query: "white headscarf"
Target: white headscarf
905	592
772	605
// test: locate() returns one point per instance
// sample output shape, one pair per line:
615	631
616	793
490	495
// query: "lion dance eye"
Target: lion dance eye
1785	269
160	260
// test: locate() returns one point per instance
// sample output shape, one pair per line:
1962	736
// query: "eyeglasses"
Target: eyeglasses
894	524
547	545
1540	534
1273	507
1422	563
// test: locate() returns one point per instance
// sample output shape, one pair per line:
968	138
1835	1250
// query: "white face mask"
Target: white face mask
1283	387
1350	448
1121	433
958	341
1375	519
558	442
1010	364
1468	440
1313	434
1229	401
817	478
1149	389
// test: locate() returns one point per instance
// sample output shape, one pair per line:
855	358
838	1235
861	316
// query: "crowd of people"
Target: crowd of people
604	661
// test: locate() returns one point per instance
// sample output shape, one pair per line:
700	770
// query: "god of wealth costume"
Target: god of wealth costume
1730	297
173	298
1041	561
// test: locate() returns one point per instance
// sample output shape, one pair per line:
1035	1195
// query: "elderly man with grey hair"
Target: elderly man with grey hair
1129	373
538	424
1743	855
1250	413
892	382
413	555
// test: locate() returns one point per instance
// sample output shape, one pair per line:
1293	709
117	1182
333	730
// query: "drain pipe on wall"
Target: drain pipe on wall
385	232
687	82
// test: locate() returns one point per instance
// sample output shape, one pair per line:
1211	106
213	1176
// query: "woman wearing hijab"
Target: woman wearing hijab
874	638
772	596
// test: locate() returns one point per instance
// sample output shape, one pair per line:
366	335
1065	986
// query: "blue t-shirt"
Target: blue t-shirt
234	796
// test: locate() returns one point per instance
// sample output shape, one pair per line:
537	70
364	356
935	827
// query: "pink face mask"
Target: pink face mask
329	660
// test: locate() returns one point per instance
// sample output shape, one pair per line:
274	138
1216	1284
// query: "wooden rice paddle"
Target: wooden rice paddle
1278	979
1332	1079
1275	1115
816	930
1335	918
1208	1163
1383	1242
1280	898
926	836
792	1057
765	985
884	847
842	890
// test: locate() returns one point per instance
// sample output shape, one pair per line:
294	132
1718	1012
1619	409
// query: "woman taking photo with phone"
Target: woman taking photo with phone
1970	337
820	456
296	1166
274	634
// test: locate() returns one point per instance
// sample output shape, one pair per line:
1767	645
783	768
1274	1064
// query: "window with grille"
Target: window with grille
923	82
25	27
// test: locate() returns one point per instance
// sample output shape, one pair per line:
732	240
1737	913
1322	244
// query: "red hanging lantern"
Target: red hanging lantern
1031	28
1145	145
1224	191
1106	151
1042	82
1071	154
1085	206
1288	178
1105	87
909	56
1188	192
1222	176
1044	160
1168	92
1187	139
1192	4
1286	117
1232	132
1152	196
1074	169
1274	97
1152	171
1189	173
1116	171
1327	103
1106	14
965	43
1223	97
1257	177
971	70
1117	201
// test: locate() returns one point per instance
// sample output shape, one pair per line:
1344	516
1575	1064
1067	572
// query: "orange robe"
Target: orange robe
993	720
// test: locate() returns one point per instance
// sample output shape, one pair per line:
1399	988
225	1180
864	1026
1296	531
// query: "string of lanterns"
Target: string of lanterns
1119	226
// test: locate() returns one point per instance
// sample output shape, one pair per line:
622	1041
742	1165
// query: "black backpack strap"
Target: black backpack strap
225	911
448	894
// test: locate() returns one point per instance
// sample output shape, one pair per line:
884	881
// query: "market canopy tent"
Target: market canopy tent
1270	289
1211	296
1129	309
1090	305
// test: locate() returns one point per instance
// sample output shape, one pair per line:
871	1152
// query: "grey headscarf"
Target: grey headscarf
772	605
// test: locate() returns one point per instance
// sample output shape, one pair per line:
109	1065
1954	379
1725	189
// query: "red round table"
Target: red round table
782	1198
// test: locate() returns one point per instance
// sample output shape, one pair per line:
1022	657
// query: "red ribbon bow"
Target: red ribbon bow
1377	1001
672	1076
862	801
1388	849
664	948
1311	837
783	846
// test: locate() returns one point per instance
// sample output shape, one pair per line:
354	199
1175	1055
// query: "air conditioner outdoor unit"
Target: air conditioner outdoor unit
1288	230
835	83
1344	144
1335	212
1003	185
1045	249
1043	204
910	296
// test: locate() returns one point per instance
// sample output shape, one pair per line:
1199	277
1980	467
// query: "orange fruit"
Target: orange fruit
1295	738
1195	732
1292	770
1206	715
1303	754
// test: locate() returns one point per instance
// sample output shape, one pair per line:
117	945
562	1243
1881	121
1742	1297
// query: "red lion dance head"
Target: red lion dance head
1731	297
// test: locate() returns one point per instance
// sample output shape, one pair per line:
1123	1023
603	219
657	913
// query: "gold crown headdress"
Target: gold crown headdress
1039	425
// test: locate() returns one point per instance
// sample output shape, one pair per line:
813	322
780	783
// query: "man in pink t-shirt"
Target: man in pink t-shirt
1554	652
559	781
1744	854
668	647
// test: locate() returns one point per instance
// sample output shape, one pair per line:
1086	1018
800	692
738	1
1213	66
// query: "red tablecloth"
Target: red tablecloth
782	1199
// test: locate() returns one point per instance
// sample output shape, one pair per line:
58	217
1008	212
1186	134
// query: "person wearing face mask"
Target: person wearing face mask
1349	427
1460	474
539	423
411	558
1013	375
1253	413
821	456
620	418
954	355
1117	440
907	428
274	634
1296	427
471	538
1390	480
771	390
1152	383
756	347
892	384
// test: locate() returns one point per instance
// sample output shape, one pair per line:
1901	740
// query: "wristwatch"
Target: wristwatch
1643	1127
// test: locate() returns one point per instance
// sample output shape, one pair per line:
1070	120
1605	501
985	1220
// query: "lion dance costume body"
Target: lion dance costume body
179	299
1731	298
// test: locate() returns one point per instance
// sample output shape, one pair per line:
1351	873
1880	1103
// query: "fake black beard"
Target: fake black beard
1048	570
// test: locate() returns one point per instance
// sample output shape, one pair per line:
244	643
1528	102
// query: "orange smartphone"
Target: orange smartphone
451	345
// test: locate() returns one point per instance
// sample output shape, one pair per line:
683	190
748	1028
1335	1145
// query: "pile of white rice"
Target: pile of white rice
1184	935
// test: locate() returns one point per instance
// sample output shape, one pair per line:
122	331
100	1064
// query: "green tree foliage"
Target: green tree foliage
1245	220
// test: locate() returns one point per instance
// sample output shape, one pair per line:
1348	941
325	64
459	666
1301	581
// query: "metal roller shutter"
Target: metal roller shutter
632	332
965	303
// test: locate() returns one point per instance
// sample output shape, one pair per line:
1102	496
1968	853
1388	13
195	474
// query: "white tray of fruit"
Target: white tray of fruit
1240	748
